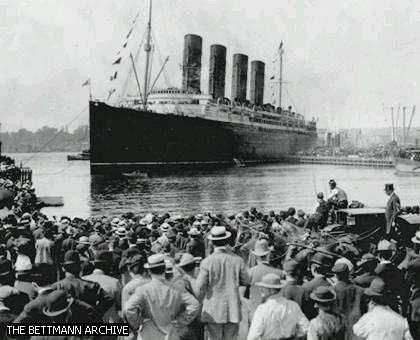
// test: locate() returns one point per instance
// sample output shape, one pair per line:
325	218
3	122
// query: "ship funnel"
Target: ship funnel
257	82
191	67
217	71
239	77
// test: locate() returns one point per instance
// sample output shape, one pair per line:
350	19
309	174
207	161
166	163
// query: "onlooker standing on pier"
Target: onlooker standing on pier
392	208
221	275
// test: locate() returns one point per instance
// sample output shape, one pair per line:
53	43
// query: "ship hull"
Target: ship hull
408	166
123	139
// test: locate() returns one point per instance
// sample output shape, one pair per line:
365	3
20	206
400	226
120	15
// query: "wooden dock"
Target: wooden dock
369	162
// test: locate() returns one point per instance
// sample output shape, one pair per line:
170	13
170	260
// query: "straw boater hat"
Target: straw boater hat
154	261
164	227
121	232
323	294
84	240
193	232
271	281
218	233
115	222
416	238
57	303
261	248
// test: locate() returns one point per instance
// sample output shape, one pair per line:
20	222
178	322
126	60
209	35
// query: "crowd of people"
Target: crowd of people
206	276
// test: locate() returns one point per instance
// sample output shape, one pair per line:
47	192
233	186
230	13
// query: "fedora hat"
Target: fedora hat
271	281
323	294
136	260
154	261
376	288
367	258
193	232
340	267
261	248
187	259
218	233
57	303
72	257
104	256
416	238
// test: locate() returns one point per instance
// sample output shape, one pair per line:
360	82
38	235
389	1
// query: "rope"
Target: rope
54	137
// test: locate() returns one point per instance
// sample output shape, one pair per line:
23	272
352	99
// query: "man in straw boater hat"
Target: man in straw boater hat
278	317
157	307
392	209
262	252
221	275
85	291
328	324
63	309
381	322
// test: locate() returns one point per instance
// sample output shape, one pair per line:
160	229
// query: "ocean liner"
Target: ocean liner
186	128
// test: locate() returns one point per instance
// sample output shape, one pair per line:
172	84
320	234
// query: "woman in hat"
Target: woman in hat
328	325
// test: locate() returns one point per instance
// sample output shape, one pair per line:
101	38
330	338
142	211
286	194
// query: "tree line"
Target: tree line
46	139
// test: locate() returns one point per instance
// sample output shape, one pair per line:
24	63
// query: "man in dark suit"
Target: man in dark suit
85	291
221	275
33	311
392	209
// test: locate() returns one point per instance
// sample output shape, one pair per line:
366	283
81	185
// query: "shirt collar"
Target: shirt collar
44	291
220	249
98	271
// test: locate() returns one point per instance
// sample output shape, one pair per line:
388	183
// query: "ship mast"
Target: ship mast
147	49
281	71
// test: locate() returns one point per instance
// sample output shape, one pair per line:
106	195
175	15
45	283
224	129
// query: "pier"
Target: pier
369	162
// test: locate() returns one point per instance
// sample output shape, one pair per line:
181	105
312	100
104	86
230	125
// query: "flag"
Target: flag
117	61
272	77
129	33
114	76
86	83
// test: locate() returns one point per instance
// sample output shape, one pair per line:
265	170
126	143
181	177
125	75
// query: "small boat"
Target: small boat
238	163
408	161
83	156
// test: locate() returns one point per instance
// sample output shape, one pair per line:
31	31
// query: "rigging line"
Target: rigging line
291	100
54	136
165	72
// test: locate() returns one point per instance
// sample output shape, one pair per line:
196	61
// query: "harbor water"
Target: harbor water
266	187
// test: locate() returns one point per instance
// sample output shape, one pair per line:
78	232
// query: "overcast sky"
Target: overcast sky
344	60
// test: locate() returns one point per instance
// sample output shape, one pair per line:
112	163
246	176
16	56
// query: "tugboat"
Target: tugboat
83	156
408	161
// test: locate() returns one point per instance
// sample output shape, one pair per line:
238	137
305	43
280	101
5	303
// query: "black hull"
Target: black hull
123	139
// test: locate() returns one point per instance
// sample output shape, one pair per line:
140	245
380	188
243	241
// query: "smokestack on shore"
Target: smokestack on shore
191	66
257	82
239	77
217	71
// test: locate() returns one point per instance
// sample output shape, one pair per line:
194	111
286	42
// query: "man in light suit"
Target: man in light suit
392	208
221	275
157	309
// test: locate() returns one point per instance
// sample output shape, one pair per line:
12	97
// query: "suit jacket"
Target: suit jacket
295	292
86	291
255	275
221	275
33	311
159	308
392	209
113	288
309	308
348	302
